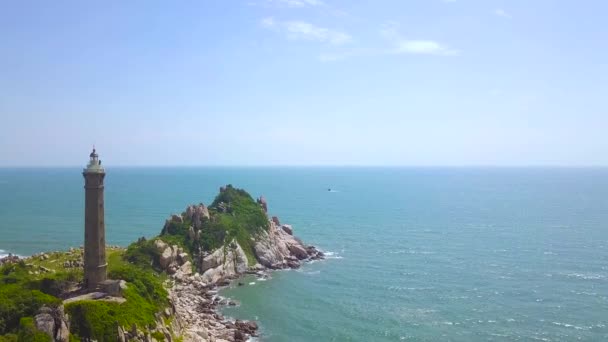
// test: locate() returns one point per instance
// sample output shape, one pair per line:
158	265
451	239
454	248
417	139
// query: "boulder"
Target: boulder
227	261
275	219
63	332
287	229
166	257
45	322
160	245
121	335
298	251
182	257
177	219
186	268
248	327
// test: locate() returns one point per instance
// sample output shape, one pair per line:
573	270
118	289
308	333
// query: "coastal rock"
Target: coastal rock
177	219
262	201
227	261
182	257
196	214
167	257
274	247
160	245
287	228
184	270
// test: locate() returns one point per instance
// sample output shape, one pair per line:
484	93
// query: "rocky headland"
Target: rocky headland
170	282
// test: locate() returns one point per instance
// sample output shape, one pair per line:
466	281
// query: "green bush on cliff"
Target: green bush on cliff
142	253
28	332
240	216
234	214
145	296
20	296
8	338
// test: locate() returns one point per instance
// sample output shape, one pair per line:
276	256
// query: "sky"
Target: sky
304	82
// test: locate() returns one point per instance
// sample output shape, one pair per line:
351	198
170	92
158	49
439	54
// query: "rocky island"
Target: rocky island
168	288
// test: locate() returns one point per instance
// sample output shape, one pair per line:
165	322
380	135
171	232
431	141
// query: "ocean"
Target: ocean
421	254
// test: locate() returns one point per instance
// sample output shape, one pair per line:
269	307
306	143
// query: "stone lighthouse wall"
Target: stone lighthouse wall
94	231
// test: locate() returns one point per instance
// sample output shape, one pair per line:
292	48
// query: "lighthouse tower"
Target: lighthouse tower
94	226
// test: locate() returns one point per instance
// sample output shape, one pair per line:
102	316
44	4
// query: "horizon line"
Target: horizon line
561	166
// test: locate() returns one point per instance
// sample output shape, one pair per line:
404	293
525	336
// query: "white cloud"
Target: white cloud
301	30
502	13
296	3
414	46
424	47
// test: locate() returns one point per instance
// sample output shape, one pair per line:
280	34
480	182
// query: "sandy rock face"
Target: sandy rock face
196	213
225	262
276	248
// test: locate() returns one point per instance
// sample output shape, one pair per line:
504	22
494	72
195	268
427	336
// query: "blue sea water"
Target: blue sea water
423	254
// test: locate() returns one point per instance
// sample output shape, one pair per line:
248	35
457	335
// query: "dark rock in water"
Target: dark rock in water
239	336
240	284
248	327
287	228
223	282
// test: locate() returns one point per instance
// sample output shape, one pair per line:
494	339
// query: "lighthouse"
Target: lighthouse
94	225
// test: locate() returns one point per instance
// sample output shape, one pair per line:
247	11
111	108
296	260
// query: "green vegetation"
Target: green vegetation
158	336
28	285
21	295
234	214
8	338
145	296
28	332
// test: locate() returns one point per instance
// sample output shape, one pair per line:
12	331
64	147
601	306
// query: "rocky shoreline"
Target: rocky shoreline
196	303
196	279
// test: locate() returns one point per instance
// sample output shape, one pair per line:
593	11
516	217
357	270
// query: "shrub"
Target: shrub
28	332
145	296
17	301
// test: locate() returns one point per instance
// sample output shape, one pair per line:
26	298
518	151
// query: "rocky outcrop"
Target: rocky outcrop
287	228
173	259
53	322
9	259
277	248
196	214
194	297
226	262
